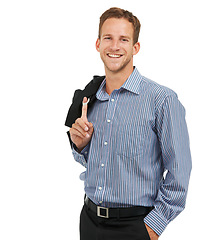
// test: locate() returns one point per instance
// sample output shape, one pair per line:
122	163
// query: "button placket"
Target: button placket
106	138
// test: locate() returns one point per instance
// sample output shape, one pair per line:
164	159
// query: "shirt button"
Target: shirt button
100	188
102	165
105	143
100	202
112	99
108	120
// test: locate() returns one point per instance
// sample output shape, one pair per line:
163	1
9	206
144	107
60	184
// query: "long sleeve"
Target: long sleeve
81	157
176	158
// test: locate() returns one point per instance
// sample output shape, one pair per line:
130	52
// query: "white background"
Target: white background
47	50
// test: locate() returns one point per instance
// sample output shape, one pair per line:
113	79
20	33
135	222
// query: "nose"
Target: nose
114	45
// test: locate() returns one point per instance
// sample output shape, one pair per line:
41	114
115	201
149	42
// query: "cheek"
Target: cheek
130	51
101	48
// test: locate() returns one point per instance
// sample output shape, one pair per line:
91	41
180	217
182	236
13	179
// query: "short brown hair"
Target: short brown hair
121	13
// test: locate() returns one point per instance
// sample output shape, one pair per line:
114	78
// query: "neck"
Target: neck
114	80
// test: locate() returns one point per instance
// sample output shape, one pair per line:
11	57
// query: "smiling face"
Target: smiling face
116	45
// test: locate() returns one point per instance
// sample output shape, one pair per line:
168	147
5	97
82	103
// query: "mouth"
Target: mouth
114	55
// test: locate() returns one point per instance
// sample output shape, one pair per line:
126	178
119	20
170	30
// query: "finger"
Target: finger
82	124
90	131
74	132
78	131
84	109
78	128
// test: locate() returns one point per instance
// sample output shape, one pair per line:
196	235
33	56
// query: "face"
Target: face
116	44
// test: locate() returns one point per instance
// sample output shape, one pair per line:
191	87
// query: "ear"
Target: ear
136	48
97	45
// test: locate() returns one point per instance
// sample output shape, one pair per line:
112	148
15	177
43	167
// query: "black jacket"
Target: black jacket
75	109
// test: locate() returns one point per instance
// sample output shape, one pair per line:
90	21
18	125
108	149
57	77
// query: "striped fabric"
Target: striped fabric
139	153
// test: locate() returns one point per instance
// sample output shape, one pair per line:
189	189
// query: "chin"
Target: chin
117	68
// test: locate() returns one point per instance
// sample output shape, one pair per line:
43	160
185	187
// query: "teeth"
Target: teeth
114	55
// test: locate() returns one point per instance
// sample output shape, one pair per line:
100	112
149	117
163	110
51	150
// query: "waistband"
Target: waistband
104	212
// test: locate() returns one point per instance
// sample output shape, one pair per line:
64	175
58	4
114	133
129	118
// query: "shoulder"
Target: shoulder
160	95
95	82
157	89
89	91
90	88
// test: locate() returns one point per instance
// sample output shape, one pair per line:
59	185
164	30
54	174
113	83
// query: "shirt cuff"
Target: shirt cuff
156	222
82	156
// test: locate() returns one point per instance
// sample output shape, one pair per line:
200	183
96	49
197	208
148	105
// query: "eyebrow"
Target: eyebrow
109	35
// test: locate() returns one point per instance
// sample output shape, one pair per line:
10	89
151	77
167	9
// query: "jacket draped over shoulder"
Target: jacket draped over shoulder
75	109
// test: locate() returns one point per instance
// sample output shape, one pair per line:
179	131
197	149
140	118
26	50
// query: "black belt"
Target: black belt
116	212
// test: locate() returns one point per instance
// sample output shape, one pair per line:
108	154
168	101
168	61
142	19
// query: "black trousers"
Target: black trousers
93	227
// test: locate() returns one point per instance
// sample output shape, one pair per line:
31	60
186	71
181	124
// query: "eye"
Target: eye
107	38
125	40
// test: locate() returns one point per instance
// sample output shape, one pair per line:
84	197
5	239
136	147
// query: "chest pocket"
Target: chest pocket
130	140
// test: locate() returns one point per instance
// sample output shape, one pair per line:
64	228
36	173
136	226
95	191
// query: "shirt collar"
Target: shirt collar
132	84
101	94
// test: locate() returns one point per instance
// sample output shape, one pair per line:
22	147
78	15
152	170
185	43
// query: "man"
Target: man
133	140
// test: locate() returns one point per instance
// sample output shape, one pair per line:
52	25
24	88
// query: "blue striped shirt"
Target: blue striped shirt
139	153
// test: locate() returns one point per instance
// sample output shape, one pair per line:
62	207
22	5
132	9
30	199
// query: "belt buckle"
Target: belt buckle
99	213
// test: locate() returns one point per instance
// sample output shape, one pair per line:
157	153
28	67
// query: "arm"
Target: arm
81	157
176	157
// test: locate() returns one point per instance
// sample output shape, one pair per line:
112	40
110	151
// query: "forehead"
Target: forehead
117	26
